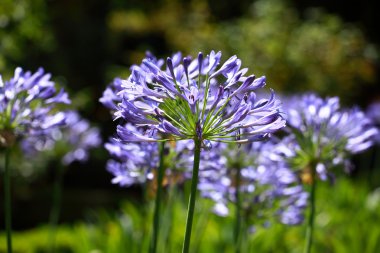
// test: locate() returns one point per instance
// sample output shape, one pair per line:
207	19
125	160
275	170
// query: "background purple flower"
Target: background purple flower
267	186
373	112
71	142
80	137
325	134
136	163
27	104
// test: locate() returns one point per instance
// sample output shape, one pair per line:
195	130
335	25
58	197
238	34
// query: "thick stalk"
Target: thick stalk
56	205
310	226
237	238
193	193
7	200
156	216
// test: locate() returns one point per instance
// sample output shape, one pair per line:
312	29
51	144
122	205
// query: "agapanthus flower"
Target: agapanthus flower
373	112
131	163
195	99
110	97
267	186
192	100
323	134
27	105
73	141
80	137
136	163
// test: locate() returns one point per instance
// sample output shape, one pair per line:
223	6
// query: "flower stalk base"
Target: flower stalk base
193	193
7	201
156	218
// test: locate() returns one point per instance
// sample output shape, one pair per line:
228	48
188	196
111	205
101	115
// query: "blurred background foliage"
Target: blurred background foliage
323	46
85	44
128	228
319	52
25	33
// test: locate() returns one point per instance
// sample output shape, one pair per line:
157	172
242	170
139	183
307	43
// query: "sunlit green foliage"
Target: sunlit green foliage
342	225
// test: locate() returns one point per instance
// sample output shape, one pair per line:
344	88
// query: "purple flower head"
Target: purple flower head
325	134
193	99
373	112
111	96
132	163
136	163
80	137
110	99
72	142
27	104
267	186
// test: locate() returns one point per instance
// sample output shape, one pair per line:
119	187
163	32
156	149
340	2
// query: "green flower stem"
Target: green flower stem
237	212
193	194
156	216
7	200
56	206
310	226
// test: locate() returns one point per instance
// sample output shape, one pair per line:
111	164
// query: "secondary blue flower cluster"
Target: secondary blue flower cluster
136	163
131	163
267	187
373	112
73	141
193	99
324	133
27	105
80	136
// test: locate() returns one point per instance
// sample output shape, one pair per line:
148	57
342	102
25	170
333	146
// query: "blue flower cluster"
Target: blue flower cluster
198	105
323	133
30	114
27	105
373	112
192	98
197	109
196	99
72	141
266	184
